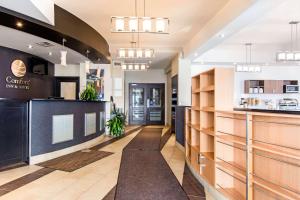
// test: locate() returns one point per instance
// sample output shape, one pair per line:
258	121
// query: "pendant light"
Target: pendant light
145	24
63	54
135	52
87	63
248	66
290	55
135	66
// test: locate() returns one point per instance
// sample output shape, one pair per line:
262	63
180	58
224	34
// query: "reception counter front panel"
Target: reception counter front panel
59	124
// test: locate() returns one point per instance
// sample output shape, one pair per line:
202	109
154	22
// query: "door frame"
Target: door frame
60	79
146	114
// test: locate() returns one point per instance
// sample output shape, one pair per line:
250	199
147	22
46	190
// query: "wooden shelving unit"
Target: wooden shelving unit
206	87
244	155
260	155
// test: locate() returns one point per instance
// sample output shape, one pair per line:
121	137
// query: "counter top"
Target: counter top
68	100
52	100
294	112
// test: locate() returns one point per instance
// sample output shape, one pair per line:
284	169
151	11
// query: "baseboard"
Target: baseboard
48	156
180	147
208	188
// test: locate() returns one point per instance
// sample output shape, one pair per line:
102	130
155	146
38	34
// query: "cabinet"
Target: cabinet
273	87
268	86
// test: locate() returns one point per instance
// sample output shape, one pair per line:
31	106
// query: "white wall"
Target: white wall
79	71
37	9
150	76
73	71
118	91
184	82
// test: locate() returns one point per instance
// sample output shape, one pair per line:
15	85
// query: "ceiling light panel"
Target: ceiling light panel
135	66
139	24
130	53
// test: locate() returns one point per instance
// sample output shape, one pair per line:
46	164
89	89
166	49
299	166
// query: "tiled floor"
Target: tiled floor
91	182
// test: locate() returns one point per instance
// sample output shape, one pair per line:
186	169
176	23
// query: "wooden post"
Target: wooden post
249	157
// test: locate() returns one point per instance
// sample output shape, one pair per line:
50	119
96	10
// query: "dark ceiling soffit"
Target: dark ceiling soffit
57	33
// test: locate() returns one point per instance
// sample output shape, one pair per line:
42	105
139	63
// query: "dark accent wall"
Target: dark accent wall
13	132
179	124
41	86
41	123
79	35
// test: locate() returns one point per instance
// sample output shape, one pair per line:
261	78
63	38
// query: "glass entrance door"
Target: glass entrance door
155	105
137	104
146	104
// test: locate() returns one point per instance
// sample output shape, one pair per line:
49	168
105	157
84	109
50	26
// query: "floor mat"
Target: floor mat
144	173
148	139
76	160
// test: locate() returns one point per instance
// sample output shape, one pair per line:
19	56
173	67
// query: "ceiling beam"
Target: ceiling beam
235	15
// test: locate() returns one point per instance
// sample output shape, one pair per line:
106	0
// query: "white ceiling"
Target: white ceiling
269	33
186	19
19	40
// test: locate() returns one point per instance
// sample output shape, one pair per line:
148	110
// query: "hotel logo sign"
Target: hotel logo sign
18	69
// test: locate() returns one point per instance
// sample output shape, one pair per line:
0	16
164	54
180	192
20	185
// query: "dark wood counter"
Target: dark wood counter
293	112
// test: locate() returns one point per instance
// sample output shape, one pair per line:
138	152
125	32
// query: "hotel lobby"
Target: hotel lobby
149	100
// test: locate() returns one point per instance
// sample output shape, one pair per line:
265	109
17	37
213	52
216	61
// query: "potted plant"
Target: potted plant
116	124
89	94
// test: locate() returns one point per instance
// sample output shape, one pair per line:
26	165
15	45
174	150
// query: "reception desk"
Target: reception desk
60	125
38	130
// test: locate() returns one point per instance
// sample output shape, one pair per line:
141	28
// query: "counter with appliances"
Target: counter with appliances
294	112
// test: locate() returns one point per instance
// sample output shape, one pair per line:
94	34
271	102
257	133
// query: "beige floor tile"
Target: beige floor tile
10	175
174	157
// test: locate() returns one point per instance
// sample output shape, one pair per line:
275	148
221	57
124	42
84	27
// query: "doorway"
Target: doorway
147	104
67	87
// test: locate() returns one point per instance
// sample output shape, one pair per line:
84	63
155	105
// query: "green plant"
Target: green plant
116	124
89	94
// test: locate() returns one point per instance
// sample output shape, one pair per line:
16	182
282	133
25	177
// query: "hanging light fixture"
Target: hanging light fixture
131	53
63	54
133	24
290	55
119	24
145	24
248	66
135	66
160	25
87	63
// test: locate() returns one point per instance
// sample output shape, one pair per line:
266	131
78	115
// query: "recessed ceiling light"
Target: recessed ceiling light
50	53
196	54
221	35
30	46
19	24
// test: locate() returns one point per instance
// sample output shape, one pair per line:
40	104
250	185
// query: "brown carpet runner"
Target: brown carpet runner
144	173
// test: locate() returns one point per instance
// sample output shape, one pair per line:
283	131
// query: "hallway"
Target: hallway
96	180
144	174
